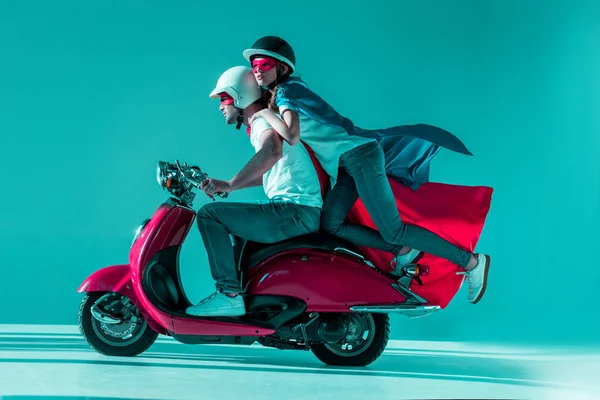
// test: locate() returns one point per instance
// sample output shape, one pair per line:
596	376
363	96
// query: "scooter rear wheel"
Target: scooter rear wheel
367	338
126	339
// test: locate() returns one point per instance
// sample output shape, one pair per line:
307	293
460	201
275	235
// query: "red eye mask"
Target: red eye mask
226	99
263	64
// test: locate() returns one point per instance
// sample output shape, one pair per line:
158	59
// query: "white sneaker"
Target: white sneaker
477	278
218	305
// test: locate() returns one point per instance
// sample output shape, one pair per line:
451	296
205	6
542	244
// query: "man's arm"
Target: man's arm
270	152
256	182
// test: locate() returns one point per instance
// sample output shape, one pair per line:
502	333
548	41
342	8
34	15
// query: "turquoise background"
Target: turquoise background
92	95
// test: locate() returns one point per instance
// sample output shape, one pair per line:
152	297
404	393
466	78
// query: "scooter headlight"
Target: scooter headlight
166	175
138	231
162	174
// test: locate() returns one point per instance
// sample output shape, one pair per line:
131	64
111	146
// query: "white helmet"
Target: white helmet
239	83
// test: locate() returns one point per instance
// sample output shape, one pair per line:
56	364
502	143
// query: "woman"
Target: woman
354	158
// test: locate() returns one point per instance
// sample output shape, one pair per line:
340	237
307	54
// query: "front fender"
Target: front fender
117	278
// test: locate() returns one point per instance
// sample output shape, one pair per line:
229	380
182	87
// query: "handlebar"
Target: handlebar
192	174
195	176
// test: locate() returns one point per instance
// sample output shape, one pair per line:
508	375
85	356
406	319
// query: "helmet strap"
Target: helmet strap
240	118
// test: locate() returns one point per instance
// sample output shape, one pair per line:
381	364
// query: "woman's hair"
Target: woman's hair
265	98
272	93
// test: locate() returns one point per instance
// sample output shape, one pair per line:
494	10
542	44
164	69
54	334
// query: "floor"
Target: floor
53	362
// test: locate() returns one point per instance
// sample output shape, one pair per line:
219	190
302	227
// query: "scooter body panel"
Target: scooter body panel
326	282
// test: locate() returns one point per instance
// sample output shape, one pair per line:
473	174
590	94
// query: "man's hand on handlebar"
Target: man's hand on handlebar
213	186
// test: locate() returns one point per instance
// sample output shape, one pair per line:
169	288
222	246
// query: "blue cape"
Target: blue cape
408	149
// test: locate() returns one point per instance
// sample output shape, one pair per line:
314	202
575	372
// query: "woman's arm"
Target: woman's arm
288	128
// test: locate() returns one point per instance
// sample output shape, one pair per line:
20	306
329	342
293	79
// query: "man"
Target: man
290	182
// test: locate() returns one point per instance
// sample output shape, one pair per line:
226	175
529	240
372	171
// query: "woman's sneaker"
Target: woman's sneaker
477	278
412	257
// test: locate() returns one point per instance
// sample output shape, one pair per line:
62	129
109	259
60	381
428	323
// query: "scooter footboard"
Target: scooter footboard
117	278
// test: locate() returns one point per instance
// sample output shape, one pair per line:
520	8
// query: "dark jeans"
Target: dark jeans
265	222
362	173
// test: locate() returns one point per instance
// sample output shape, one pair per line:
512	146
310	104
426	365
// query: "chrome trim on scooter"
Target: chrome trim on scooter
176	202
100	315
411	297
103	317
348	252
138	231
409	310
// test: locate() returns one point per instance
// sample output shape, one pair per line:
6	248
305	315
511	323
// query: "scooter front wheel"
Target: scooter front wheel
127	338
367	337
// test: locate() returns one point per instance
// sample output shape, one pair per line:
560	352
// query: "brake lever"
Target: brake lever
202	175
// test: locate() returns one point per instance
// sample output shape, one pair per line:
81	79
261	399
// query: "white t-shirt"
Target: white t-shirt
294	177
327	142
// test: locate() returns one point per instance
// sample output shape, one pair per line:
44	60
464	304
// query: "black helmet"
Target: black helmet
273	46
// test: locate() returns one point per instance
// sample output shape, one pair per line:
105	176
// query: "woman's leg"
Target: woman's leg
366	165
338	203
362	173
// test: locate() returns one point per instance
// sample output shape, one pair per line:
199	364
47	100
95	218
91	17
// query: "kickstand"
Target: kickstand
305	336
313	317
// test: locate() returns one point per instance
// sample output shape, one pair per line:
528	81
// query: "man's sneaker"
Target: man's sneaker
403	260
477	278
219	305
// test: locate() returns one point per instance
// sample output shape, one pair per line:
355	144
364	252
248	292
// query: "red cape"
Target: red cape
454	212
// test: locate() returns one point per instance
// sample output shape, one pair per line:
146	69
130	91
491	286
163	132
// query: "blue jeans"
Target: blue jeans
264	222
362	174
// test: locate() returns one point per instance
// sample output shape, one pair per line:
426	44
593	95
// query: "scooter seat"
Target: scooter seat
255	252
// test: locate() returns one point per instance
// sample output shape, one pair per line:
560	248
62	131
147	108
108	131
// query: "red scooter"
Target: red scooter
314	292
